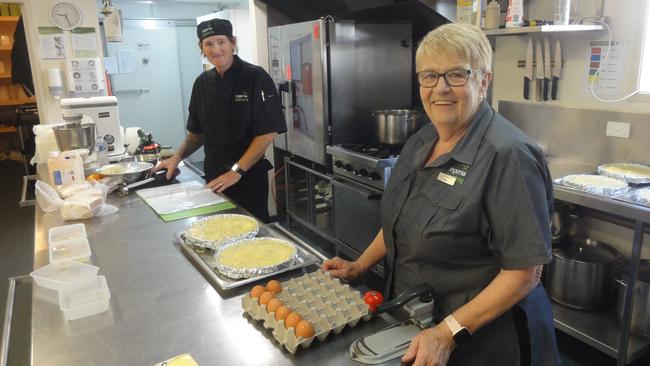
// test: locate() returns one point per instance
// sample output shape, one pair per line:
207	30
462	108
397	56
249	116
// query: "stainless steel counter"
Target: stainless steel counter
160	304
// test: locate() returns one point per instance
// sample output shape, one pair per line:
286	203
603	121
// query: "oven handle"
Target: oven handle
352	187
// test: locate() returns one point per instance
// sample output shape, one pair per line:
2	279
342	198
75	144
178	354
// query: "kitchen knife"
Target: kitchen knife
547	66
539	70
557	69
528	68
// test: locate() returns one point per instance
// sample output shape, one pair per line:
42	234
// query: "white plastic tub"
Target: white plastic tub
56	275
79	301
70	250
66	232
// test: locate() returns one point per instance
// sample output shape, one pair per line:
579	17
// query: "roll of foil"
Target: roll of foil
618	171
642	196
215	244
239	273
619	187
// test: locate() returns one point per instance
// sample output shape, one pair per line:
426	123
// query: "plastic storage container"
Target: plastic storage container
56	275
70	250
80	301
64	168
66	232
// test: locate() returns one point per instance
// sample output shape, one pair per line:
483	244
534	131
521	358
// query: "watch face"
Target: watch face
65	15
462	336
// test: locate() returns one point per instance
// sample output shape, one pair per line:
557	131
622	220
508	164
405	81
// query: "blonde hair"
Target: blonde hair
457	41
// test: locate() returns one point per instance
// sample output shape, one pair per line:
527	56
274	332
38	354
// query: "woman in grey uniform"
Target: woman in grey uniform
234	113
467	211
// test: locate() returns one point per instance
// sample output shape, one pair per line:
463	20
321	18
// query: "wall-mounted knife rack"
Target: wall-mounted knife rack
522	63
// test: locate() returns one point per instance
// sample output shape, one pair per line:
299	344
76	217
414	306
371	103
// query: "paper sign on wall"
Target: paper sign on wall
52	42
84	42
609	81
126	61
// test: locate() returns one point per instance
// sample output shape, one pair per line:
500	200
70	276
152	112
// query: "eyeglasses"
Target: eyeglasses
429	79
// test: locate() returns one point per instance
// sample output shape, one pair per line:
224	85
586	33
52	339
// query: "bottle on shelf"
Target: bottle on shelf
492	15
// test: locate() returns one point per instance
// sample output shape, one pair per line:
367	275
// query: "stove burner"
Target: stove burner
379	152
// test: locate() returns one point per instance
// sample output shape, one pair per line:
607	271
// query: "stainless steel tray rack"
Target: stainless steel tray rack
203	259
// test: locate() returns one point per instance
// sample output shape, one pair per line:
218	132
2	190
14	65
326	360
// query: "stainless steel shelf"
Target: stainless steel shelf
542	29
598	329
605	204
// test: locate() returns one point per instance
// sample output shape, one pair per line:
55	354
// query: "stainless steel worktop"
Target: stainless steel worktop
161	305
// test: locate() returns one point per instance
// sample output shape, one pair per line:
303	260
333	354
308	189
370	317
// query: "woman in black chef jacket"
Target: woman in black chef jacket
235	113
467	211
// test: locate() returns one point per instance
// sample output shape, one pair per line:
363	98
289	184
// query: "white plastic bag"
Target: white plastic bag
47	197
72	188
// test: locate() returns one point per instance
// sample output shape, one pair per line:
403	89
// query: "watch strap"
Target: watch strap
458	332
237	169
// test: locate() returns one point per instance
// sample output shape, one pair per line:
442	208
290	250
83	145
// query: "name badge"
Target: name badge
446	178
241	98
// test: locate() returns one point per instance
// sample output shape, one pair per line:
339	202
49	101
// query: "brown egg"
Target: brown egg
305	329
292	320
265	297
257	291
274	286
282	312
273	305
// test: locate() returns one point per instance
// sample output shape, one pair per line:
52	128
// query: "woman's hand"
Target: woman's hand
342	269
431	347
225	180
170	164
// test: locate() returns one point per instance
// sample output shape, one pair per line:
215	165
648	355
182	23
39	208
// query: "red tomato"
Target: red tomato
373	299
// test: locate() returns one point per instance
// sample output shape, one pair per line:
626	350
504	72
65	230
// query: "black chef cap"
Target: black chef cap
214	27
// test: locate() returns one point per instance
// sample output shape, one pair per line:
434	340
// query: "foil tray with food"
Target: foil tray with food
306	308
214	231
627	172
254	257
594	184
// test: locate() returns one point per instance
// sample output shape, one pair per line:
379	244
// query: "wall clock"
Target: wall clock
65	15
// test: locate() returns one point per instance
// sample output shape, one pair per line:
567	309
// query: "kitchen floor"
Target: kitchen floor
16	258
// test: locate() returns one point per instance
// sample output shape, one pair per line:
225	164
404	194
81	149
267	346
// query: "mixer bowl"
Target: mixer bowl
73	136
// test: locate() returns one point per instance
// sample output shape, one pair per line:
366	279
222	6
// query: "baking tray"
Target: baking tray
204	259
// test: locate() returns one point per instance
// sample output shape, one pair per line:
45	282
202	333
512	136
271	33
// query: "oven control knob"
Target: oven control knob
348	167
363	172
338	163
375	176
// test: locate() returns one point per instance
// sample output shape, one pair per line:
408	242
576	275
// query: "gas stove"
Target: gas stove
367	164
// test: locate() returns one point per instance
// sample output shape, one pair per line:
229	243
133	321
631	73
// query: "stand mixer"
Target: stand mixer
104	113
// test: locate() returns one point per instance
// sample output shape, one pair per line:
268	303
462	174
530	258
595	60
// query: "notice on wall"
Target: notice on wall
110	65
52	42
126	61
608	81
84	42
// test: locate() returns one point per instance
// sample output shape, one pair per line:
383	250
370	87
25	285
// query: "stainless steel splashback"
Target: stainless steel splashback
574	139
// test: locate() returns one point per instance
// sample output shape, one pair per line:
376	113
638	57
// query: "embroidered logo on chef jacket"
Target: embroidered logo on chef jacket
455	174
241	97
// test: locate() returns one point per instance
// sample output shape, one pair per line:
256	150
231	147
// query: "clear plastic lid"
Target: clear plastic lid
56	275
73	249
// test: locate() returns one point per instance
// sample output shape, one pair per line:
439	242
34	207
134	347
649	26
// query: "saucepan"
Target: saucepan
641	305
395	126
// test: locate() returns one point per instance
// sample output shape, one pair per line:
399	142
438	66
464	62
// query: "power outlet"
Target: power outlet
618	129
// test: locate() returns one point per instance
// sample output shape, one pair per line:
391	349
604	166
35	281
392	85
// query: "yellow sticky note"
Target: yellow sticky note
180	360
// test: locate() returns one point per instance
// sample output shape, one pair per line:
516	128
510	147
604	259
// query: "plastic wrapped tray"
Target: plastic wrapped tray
595	184
324	301
214	244
627	172
250	270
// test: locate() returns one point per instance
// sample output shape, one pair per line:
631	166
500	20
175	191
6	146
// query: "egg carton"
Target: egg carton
324	301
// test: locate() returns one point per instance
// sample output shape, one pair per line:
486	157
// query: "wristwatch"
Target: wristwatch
235	168
458	332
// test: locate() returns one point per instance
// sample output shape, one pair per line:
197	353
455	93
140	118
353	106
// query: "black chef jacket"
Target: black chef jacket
457	221
230	111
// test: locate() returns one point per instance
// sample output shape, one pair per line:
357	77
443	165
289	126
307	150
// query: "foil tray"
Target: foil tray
204	260
629	178
240	273
215	244
593	189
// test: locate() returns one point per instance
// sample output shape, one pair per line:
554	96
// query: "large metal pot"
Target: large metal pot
395	126
641	306
580	275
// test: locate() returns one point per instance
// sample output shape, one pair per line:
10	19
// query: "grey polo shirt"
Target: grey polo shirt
454	223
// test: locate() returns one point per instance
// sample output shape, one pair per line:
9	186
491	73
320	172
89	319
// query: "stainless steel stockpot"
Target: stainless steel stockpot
580	275
395	126
641	305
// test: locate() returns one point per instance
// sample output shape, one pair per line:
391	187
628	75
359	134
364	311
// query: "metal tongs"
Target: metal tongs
392	341
160	176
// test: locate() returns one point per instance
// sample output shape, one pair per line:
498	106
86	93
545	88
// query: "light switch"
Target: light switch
618	129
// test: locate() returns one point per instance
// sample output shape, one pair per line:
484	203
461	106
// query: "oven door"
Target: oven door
356	213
